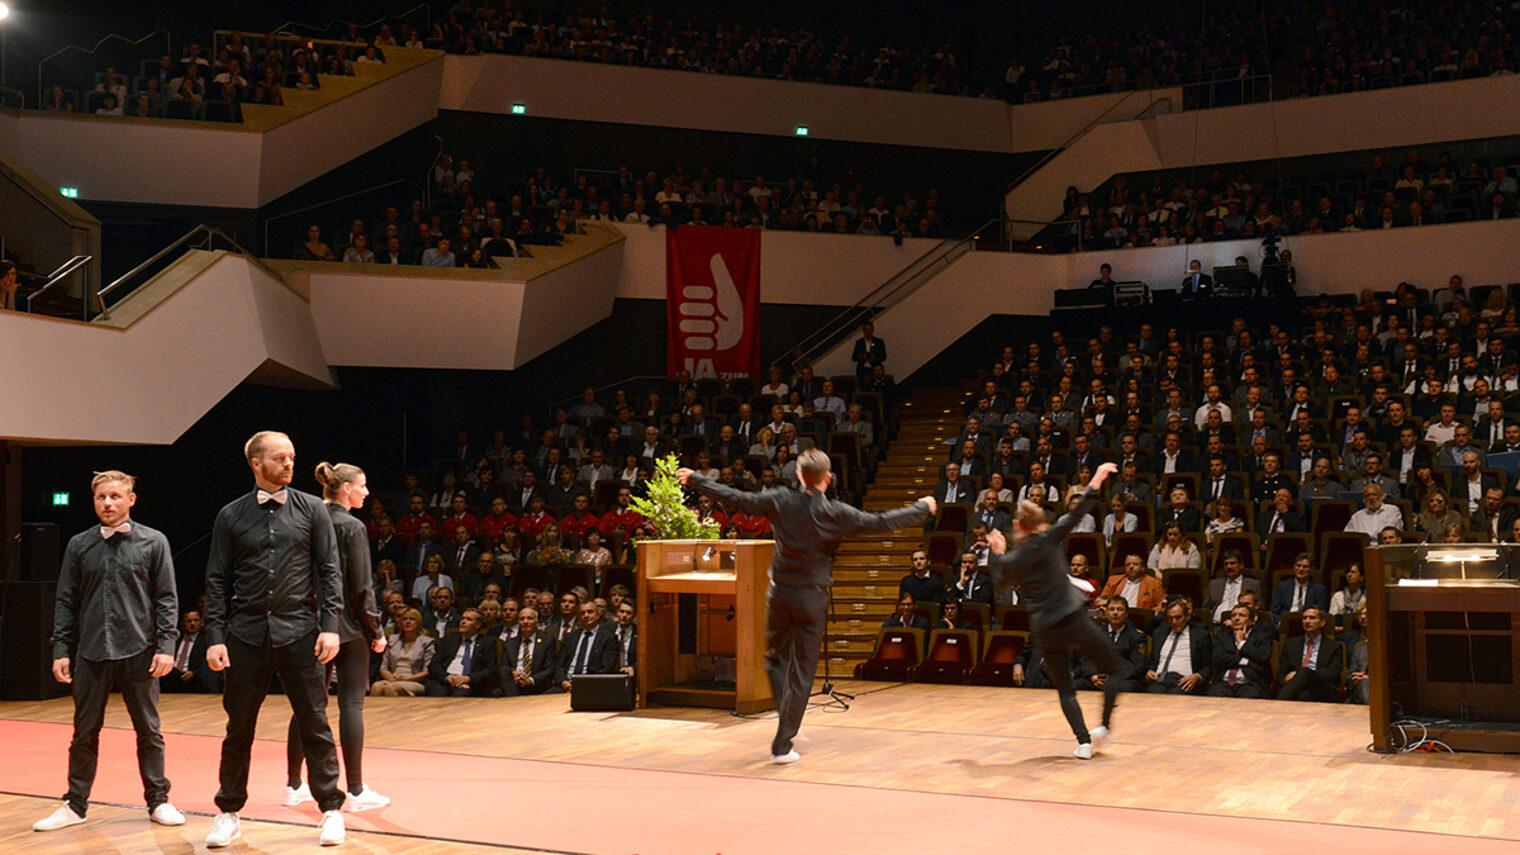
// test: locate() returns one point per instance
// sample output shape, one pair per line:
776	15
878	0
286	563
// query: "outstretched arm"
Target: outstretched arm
1065	524
750	503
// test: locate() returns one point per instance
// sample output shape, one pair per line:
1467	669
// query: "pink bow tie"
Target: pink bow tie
277	496
106	531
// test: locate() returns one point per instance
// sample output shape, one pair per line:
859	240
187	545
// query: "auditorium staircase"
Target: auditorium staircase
867	569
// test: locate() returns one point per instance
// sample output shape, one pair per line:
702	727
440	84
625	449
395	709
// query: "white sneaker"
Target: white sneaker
366	800
783	759
167	814
296	795
224	829
332	828
61	818
1099	736
1083	752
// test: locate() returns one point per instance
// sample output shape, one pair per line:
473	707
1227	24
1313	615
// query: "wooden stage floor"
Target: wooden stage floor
1188	757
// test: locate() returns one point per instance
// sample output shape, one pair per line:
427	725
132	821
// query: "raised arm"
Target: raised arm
750	503
1064	525
857	521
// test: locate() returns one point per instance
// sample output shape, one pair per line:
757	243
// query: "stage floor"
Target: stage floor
918	767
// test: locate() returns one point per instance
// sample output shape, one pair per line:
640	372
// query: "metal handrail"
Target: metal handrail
613	385
59	275
20	96
343	198
426	11
210	233
1200	78
884	296
168	41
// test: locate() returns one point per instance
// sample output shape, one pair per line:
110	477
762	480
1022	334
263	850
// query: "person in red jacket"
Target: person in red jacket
622	518
580	519
461	515
498	519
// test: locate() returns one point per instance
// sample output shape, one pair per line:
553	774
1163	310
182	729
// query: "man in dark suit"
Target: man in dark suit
906	616
1130	643
1082	453
1494	518
972	465
625	637
746	429
591	648
1172	457
990	515
952	487
464	663
462	553
387	545
527	661
1312	662
1196	285
1224	591
869	352
808	526
425	546
1181	654
972	585
191	674
519	498
1219	484
1279	517
1242	658
1180	512
806	385
1300	592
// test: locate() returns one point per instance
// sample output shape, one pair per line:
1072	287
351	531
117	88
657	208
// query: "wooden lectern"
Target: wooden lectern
718	571
1442	643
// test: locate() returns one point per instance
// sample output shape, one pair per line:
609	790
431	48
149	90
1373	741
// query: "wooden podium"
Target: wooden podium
718	572
1441	644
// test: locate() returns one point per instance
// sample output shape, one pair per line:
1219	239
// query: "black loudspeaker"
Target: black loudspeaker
601	693
26	636
40	553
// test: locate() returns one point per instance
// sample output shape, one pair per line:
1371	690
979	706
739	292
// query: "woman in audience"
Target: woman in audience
629	474
577	451
405	661
592	551
705	466
387	579
1086	523
995	483
314	249
793	404
360	252
1174	549
1422	483
550	551
478	260
447	487
775	385
1349	598
1119	520
1078	485
731	532
785	465
1223	522
1437	516
765	445
509	547
652	409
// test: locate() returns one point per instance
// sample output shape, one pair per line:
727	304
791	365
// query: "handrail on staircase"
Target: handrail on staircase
62	273
881	298
208	236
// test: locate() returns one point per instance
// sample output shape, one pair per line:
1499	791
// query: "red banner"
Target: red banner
712	298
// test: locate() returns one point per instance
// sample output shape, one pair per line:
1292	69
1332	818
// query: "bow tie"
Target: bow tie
277	496
107	530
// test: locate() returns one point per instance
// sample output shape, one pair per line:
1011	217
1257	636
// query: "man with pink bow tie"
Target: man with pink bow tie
114	622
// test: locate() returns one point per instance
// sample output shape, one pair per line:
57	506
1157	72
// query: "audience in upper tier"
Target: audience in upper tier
541	208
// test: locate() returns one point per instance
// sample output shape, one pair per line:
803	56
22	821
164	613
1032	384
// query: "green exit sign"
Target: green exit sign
519	109
802	130
60	500
70	192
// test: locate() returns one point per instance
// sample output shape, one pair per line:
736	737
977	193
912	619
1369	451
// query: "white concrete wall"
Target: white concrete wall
679	99
70	382
1385	119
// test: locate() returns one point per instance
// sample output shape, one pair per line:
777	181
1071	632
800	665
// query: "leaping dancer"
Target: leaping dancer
1057	609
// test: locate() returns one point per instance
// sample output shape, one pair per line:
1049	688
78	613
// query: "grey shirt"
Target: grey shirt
116	597
808	527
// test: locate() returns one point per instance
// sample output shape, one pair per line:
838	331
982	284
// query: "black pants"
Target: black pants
1078	631
1309	685
248	677
352	667
92	690
794	621
1242	689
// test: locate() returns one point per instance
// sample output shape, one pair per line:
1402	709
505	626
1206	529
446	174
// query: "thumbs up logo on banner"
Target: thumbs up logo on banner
712	318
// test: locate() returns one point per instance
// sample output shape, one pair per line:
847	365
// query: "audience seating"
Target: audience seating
952	657
897	654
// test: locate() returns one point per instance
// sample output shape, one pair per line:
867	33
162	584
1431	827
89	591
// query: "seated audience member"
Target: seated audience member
1180	512
432	576
464	663
1279	517
404	665
1312	662
1081	577
1181	653
1374	515
1321	483
951	618
625	634
590	649
592	551
1137	588
191	674
1224	591
1358	689
473	582
1119	520
1174	549
1223	521
992	517
388	581
924	585
527	661
1242	657
973	584
1300	592
440	615
1128	640
907	616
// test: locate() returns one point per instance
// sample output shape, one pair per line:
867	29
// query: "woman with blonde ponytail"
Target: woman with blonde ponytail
344	489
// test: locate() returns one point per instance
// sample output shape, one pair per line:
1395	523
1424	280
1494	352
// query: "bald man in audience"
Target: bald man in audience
1138	588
